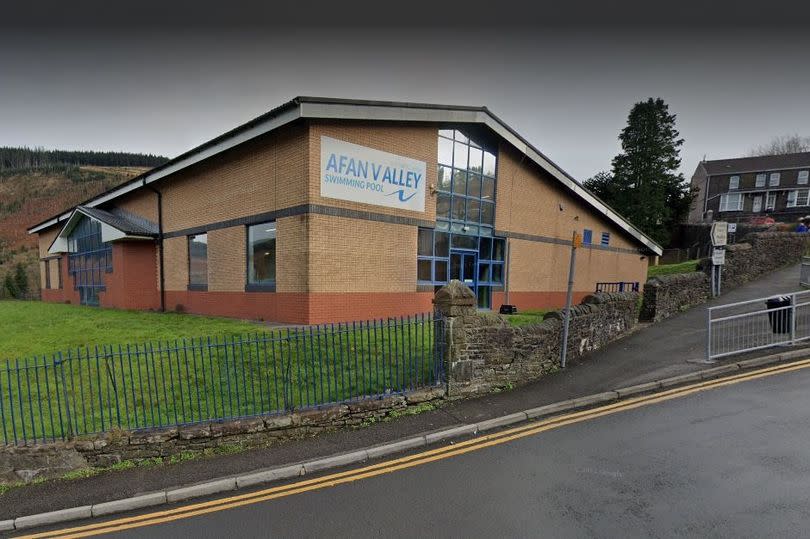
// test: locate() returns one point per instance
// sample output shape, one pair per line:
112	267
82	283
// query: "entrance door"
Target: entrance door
462	267
757	204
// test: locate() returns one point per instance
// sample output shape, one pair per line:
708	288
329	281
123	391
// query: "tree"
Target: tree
9	287
782	145
21	281
644	185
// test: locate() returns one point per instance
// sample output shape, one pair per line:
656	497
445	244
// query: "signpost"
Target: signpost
576	242
719	237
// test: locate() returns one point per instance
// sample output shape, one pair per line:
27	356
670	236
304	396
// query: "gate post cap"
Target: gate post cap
454	299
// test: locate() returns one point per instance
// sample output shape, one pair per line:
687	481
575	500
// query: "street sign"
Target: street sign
719	233
732	228
719	257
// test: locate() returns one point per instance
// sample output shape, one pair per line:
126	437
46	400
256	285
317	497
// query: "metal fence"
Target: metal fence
617	287
804	276
759	323
160	384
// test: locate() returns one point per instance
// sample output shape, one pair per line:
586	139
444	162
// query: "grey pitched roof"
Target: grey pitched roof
121	221
755	164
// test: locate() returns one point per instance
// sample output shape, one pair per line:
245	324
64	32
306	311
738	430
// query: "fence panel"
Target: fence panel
617	287
751	325
131	387
804	276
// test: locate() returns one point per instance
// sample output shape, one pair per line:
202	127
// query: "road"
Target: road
732	461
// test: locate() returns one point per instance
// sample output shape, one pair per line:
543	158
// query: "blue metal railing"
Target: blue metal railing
161	384
617	287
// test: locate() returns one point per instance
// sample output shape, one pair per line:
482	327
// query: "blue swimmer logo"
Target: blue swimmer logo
401	193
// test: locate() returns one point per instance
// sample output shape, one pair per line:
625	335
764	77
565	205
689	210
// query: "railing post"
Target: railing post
793	319
708	334
68	418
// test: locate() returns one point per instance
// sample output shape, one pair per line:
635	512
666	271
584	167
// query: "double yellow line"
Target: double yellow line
161	517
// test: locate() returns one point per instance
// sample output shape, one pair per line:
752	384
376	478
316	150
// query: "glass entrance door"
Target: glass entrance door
463	267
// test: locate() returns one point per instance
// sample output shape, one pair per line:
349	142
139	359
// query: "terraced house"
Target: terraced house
329	209
748	188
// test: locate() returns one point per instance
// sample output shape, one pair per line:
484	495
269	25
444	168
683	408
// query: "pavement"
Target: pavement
661	350
727	462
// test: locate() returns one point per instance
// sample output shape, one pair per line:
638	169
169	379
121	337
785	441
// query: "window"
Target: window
261	251
731	202
605	239
47	273
59	272
770	202
734	182
803	176
760	180
774	181
433	255
466	184
798	198
587	236
89	260
198	262
491	256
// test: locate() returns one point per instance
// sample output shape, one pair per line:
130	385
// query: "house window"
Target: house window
587	236
198	262
432	256
798	198
605	239
770	203
734	182
774	181
760	180
47	274
731	202
803	176
261	251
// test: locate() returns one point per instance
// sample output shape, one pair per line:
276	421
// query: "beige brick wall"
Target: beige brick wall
226	259
142	202
416	142
175	261
528	201
259	176
354	255
292	256
45	239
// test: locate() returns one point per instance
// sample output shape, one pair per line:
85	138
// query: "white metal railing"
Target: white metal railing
751	325
804	277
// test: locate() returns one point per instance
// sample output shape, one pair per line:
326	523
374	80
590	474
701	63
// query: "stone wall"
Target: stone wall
26	463
485	352
760	253
667	295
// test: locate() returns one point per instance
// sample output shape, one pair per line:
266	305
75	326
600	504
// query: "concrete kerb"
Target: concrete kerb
296	470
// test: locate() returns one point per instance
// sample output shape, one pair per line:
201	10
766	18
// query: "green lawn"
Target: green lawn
526	318
669	269
33	328
133	370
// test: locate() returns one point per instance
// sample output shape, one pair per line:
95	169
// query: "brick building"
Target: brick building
328	209
747	188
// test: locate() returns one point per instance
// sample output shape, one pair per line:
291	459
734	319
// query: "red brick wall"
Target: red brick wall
131	285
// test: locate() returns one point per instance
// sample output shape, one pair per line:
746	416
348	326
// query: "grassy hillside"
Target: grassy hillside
28	196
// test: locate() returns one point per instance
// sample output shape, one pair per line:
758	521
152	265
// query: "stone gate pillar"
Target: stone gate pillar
455	302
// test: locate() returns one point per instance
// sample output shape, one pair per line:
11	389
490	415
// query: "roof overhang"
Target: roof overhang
109	233
346	109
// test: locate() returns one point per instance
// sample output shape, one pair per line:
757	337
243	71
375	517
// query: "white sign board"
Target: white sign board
732	228
719	257
719	233
360	174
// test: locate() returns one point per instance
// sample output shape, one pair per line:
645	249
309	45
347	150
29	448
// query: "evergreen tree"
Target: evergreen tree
644	185
20	281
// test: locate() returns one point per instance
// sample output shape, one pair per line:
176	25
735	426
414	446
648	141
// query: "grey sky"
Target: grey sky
567	88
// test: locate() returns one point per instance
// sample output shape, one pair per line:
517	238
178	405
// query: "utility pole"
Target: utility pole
576	241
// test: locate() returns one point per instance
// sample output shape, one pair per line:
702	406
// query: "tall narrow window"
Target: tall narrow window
803	176
198	262
774	181
734	182
47	274
770	201
605	239
587	236
262	256
760	182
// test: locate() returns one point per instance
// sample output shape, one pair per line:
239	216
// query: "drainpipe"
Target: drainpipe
160	248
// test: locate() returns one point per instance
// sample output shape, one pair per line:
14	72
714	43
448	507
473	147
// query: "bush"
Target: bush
15	283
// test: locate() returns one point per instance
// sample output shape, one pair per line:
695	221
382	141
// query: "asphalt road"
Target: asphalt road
728	462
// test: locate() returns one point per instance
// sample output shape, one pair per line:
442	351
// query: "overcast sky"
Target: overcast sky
162	80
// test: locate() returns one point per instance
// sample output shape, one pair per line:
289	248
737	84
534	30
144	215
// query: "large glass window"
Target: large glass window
198	261
262	254
466	185
89	260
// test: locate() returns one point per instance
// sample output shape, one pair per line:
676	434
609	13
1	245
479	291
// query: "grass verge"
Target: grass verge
670	269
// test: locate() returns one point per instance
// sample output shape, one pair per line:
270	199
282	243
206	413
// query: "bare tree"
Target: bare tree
782	145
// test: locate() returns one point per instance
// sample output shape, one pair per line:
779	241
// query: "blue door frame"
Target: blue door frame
464	267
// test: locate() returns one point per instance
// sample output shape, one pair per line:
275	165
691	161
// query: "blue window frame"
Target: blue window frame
587	236
605	239
88	261
433	256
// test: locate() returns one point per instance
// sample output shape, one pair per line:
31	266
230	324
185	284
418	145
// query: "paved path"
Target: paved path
728	462
655	352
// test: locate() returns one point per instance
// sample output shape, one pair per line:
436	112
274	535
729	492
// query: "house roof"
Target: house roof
114	227
741	165
352	109
121	222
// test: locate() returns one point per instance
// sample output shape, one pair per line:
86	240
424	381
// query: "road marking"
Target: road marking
409	461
